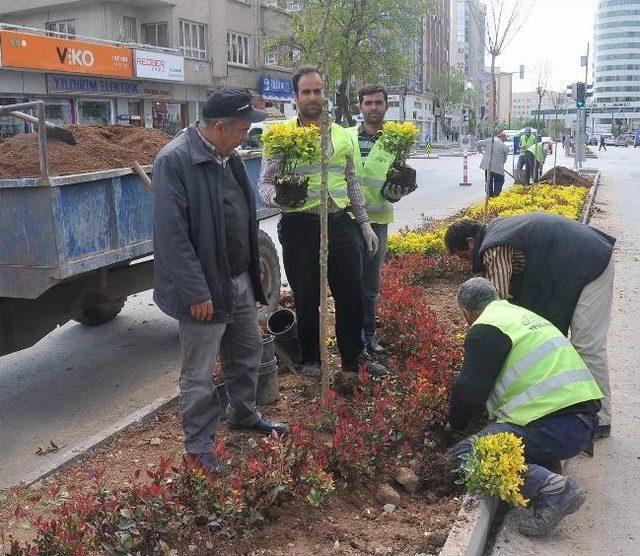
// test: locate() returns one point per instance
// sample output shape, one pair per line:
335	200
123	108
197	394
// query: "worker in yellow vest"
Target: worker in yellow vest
299	234
532	383
372	164
527	139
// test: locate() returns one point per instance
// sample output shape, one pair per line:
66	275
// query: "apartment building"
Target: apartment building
147	62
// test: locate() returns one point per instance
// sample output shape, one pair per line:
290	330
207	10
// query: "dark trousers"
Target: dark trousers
602	146
546	441
495	183
527	161
299	234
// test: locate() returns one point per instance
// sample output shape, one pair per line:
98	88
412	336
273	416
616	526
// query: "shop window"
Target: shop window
156	34
193	39
129	31
238	49
10	126
171	117
66	27
94	112
58	112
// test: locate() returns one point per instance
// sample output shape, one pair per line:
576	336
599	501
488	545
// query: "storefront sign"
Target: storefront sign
158	65
276	88
21	50
94	86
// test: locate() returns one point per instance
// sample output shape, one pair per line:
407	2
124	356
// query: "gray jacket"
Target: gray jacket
190	252
500	155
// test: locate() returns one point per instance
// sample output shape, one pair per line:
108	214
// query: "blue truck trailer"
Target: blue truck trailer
75	246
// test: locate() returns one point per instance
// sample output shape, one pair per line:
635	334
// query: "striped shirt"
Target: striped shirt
500	263
366	141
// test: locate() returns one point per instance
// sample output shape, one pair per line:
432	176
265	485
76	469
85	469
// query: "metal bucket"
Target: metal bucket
267	348
283	326
268	384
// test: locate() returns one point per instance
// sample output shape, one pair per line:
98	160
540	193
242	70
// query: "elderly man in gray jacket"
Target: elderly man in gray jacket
207	272
493	160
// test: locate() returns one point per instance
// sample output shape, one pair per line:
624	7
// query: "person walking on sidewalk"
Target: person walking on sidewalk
602	144
556	267
526	161
299	234
493	160
207	270
533	384
567	145
372	164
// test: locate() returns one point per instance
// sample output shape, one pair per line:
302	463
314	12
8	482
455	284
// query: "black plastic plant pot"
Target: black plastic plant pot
291	190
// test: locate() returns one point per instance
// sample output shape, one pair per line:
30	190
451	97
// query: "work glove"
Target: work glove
370	238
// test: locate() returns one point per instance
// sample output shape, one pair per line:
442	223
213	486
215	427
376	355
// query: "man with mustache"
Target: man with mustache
299	234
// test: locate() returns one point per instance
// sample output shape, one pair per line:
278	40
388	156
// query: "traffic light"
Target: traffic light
581	94
464	114
483	111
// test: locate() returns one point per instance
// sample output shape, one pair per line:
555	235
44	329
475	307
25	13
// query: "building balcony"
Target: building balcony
11	7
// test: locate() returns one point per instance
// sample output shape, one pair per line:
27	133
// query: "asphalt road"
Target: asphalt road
78	381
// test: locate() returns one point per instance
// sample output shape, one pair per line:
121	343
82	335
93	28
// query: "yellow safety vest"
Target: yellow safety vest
337	184
543	372
372	173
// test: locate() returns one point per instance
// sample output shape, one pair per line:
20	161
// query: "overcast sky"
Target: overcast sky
557	32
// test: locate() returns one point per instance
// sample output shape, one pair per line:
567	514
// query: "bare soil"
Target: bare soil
99	147
350	521
566	176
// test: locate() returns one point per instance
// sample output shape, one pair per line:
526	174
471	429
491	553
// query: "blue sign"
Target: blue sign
276	88
94	86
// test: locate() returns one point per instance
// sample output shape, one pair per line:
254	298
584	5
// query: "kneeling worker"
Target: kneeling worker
534	385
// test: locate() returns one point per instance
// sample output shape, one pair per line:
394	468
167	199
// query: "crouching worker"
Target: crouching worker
534	385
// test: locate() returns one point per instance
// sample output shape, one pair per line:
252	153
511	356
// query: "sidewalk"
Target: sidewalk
609	521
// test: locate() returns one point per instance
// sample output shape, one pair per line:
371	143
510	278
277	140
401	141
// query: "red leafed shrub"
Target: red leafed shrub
353	438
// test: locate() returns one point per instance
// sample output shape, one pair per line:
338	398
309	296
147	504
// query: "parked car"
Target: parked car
254	136
610	140
621	141
593	140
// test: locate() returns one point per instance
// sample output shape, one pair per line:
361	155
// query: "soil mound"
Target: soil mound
99	147
565	176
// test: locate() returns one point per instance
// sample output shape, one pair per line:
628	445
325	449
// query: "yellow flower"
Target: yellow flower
495	465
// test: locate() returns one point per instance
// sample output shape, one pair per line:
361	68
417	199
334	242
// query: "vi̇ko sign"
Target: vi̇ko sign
35	52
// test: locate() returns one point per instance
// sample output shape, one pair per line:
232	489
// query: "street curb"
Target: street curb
468	536
67	456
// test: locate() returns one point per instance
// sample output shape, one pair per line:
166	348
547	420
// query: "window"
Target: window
193	39
270	59
129	29
65	26
156	34
238	49
294	7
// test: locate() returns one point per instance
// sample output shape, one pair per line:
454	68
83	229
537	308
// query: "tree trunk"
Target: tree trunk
343	104
492	131
324	209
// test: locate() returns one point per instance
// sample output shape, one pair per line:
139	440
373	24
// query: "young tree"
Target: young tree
498	21
542	80
366	39
559	100
448	90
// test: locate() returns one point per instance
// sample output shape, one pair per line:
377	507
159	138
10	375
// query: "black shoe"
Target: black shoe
549	509
264	426
374	347
209	463
366	363
603	431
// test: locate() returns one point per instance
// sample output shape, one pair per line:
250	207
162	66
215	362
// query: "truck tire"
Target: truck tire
269	274
100	311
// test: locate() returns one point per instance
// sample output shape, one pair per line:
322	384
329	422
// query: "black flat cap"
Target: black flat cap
230	102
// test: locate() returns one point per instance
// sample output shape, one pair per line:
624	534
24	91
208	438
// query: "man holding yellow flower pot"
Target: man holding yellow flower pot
372	163
299	230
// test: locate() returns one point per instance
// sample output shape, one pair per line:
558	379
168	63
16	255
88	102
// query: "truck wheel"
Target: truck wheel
100	311
269	274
